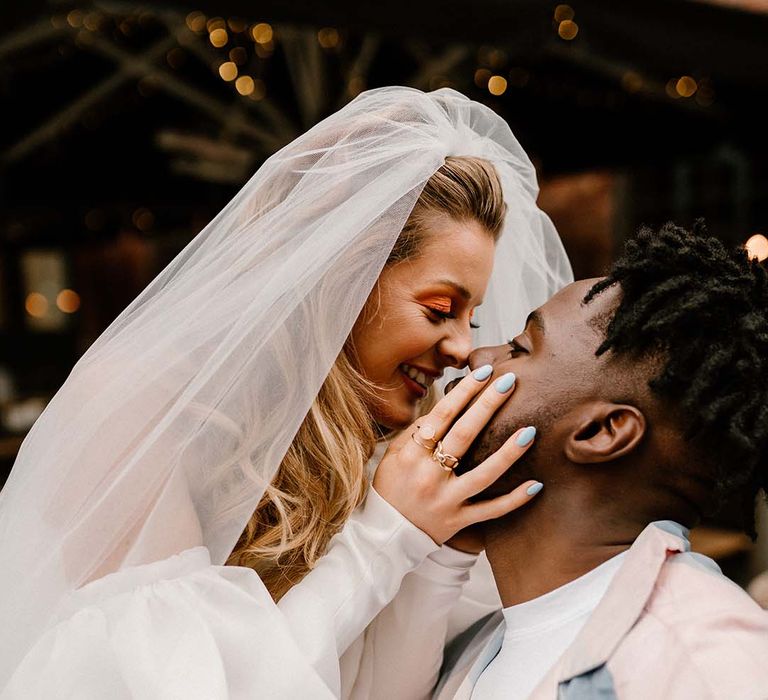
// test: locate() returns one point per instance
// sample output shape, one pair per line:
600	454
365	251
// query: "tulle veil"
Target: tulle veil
170	426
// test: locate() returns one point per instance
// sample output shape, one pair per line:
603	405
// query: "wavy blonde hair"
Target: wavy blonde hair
322	477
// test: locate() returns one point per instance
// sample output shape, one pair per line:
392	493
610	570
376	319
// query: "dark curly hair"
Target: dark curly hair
702	309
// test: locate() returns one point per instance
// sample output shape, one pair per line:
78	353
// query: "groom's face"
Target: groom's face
557	371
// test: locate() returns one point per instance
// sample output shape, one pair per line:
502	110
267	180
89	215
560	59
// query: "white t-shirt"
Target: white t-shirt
539	631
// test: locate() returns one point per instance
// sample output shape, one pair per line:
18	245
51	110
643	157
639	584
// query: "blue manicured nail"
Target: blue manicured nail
533	489
505	383
482	373
526	436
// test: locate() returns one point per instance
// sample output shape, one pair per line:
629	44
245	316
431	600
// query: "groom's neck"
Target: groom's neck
549	544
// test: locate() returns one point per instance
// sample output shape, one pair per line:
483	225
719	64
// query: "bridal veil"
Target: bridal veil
169	428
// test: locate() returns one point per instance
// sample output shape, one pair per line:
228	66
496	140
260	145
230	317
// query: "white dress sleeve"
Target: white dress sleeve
182	628
401	652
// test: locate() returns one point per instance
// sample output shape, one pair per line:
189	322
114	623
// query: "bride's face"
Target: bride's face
417	320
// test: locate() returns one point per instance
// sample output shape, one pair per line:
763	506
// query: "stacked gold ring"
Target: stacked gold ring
446	461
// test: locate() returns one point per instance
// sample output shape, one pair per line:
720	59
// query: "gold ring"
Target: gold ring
415	437
446	461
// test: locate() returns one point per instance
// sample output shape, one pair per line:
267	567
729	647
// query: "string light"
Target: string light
215	23
482	76
237	25
68	301
75	19
757	246
328	38
568	29
245	85
219	37
631	81
564	13
196	22
228	71
36	305
671	89
262	33
143	219
686	86
497	85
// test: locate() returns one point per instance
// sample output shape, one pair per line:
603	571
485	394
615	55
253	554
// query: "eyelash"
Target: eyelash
515	347
444	316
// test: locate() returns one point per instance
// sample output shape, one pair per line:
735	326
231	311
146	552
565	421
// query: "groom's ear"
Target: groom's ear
602	431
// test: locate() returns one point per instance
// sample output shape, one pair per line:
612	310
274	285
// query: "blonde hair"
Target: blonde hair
322	477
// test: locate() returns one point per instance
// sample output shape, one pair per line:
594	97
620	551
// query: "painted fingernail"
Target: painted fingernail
533	489
505	382
526	436
482	373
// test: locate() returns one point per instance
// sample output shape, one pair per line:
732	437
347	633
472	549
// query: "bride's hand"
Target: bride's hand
434	498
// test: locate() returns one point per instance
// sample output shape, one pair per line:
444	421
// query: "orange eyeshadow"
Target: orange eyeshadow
441	303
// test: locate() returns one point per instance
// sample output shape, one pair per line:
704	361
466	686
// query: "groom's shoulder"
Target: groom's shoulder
703	629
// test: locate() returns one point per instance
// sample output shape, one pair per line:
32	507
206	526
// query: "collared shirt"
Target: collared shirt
670	626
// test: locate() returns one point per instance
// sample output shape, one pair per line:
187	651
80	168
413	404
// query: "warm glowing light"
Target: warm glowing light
68	301
482	76
686	86
219	37
92	21
563	13
36	305
497	85
262	33
215	23
238	55
75	19
228	71
757	246
176	57
631	81
143	219
328	38
671	89
245	85
568	29
237	25
196	22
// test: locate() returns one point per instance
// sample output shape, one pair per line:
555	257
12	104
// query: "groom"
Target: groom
649	389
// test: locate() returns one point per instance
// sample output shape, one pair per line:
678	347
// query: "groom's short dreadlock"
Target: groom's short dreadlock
703	309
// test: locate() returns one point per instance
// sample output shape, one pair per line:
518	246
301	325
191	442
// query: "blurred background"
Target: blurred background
126	127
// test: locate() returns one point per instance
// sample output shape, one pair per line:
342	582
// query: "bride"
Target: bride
228	414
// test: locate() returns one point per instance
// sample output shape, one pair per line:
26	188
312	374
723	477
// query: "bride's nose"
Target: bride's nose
483	356
456	347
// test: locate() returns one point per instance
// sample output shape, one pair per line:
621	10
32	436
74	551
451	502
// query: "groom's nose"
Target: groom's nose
484	356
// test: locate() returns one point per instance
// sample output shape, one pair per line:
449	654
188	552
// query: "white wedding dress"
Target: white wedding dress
182	628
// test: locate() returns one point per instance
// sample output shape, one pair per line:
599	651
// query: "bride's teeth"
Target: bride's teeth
417	375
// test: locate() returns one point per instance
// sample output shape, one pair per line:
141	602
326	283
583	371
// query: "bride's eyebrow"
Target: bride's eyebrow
462	291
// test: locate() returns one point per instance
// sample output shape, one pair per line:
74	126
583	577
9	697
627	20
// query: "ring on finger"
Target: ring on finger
446	461
424	436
